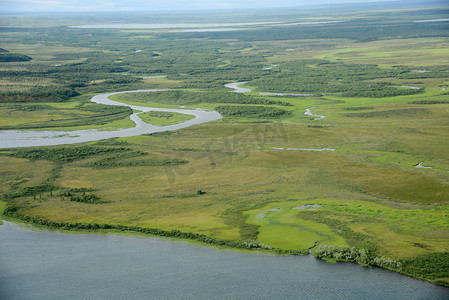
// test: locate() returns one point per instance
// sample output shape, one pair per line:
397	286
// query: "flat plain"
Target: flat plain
373	175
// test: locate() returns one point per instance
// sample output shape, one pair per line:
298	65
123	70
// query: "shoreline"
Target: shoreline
249	247
246	246
10	221
204	240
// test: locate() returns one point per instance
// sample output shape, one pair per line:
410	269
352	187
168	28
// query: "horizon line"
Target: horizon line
136	10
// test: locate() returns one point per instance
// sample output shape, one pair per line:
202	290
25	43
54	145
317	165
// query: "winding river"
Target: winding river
237	89
42	264
29	138
33	138
309	113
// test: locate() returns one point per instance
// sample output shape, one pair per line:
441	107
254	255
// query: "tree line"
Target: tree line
181	97
260	112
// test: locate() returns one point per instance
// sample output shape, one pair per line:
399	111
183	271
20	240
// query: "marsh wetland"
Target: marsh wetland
328	136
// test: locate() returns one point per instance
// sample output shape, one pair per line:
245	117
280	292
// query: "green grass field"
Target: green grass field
253	172
164	119
394	52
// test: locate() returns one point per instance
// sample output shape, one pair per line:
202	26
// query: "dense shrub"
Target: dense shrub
251	111
65	154
10	57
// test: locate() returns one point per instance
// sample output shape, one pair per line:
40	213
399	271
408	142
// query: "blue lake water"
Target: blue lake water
41	264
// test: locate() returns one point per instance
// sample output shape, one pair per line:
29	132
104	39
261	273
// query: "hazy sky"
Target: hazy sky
153	5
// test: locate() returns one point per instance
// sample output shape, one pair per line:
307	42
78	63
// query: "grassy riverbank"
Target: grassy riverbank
367	183
2	209
164	118
433	264
379	201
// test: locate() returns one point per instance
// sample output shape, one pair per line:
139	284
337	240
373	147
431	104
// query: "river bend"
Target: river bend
31	138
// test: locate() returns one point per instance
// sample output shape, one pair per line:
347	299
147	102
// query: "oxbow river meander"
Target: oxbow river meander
43	264
29	138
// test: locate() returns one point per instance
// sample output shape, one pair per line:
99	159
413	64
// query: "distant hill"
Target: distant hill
6	56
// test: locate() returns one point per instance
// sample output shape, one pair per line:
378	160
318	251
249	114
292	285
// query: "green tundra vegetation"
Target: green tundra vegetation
39	116
367	183
160	118
181	97
7	57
